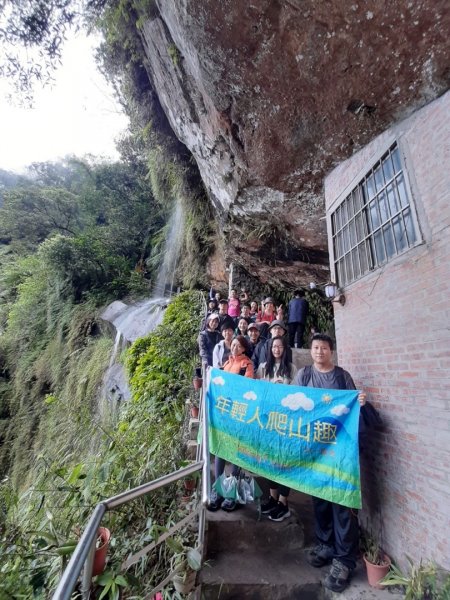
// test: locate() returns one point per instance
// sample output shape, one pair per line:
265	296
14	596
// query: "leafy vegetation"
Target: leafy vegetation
424	581
77	461
73	237
41	27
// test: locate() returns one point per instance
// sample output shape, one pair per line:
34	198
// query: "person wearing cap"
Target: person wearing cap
222	349
268	313
224	317
276	329
208	338
253	337
212	306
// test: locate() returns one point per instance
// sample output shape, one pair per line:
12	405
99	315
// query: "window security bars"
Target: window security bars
375	222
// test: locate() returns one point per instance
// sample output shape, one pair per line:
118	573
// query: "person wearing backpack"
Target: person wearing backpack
336	526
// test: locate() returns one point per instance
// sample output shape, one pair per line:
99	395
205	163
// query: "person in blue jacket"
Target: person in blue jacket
298	311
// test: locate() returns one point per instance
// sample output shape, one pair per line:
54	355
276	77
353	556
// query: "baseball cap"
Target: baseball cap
278	323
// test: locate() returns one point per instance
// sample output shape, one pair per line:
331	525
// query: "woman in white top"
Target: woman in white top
277	369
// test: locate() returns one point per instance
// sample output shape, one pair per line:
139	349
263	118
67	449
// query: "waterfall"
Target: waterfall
112	360
172	247
139	319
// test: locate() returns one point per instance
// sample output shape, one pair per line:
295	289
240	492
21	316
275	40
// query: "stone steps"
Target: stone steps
242	531
251	559
256	559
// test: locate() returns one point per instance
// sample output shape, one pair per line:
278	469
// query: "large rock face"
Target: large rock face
269	95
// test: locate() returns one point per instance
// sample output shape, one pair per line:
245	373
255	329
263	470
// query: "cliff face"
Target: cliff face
269	95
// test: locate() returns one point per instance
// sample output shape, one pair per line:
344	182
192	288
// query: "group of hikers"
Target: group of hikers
240	337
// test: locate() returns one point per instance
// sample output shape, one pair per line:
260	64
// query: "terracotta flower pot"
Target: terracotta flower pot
197	383
376	572
190	484
194	412
100	553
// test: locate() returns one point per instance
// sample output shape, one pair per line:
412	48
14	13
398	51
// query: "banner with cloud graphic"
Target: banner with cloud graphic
304	438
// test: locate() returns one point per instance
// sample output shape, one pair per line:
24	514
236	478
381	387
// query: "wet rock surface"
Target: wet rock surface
269	96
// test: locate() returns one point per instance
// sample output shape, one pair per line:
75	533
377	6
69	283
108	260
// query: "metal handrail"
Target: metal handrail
87	540
204	420
83	554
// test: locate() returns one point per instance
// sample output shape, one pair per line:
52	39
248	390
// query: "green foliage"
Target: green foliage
74	460
371	548
320	310
111	583
160	366
174	54
91	231
40	26
30	214
170	169
424	581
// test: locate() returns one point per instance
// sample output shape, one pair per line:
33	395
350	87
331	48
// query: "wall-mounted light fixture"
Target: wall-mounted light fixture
332	292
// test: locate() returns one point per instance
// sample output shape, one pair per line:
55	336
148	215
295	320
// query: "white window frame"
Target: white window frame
369	228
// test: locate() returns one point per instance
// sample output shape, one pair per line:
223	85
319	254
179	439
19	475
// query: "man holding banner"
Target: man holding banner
304	438
336	525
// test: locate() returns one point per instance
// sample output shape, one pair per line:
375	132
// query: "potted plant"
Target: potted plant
185	562
190	483
376	560
197	381
421	583
101	550
194	410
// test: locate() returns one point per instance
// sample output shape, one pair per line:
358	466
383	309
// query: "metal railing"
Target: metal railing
82	558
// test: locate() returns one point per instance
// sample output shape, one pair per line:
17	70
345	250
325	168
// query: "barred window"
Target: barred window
375	222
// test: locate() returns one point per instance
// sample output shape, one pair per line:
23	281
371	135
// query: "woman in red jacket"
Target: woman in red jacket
240	364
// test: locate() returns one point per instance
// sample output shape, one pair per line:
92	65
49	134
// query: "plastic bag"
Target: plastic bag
243	489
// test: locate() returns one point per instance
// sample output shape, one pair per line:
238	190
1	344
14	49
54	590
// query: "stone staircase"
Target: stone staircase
251	559
248	558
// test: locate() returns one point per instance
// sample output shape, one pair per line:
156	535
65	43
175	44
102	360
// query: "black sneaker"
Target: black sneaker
320	555
229	505
268	506
215	501
280	512
338	578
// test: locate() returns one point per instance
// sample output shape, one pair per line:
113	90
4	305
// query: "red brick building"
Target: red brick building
388	217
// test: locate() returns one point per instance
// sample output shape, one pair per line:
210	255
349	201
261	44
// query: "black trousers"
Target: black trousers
337	526
296	331
282	489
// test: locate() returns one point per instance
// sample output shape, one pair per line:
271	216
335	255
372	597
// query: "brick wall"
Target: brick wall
393	335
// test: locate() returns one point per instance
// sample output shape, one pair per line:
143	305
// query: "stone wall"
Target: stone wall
393	335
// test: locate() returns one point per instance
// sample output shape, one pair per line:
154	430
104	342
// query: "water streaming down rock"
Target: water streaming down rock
137	320
166	274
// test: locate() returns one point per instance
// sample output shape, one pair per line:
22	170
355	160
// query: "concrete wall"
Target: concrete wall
393	335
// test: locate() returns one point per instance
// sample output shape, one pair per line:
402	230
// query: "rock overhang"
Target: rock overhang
269	96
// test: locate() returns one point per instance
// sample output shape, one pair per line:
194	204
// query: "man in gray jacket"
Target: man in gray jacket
336	526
